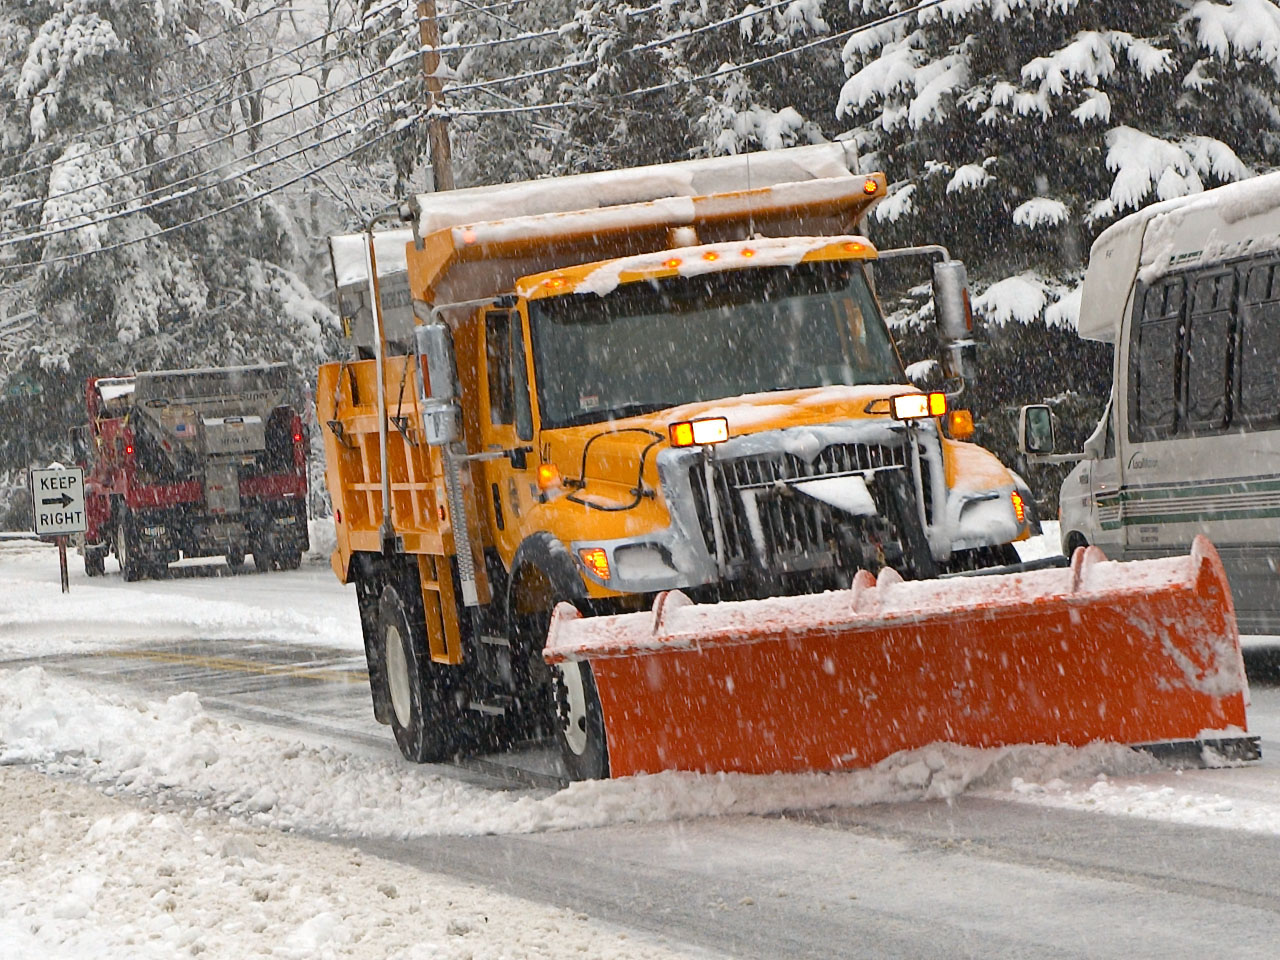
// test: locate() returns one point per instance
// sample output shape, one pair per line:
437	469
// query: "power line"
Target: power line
206	144
238	25
168	188
244	201
170	195
191	92
657	88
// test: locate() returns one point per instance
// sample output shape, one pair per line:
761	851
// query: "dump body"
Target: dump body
194	463
503	440
1133	653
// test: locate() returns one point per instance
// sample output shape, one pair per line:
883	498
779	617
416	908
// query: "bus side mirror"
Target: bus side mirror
1035	430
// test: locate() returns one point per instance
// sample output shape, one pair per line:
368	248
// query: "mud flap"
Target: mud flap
1139	653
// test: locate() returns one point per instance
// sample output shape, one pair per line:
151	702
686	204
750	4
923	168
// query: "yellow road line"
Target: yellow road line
230	664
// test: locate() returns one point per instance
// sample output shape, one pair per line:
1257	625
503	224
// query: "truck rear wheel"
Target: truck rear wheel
131	566
579	723
289	559
95	564
262	559
424	715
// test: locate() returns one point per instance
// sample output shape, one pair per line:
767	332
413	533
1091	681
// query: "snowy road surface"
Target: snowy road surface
241	801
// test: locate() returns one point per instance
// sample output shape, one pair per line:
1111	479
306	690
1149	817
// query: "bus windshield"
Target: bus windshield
651	345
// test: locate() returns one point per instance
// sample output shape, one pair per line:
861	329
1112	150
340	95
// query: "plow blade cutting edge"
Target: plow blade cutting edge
1140	653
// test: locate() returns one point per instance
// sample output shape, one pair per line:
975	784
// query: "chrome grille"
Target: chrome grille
796	532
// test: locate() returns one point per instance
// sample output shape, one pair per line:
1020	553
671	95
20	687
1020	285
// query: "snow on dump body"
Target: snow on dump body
1136	652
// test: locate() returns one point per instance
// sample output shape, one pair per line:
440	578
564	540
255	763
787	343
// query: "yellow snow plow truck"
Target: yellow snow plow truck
611	452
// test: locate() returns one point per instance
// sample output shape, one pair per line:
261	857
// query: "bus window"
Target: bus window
1258	347
1208	350
1153	358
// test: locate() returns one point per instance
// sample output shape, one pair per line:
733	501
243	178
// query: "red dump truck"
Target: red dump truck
193	463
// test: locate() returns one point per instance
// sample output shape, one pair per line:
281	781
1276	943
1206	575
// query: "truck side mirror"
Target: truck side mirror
441	414
1035	430
954	316
79	446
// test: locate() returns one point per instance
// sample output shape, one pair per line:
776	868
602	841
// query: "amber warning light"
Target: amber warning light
916	406
697	433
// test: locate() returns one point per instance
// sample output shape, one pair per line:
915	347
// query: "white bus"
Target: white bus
1188	291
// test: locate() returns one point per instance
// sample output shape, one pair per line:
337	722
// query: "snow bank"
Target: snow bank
175	747
84	876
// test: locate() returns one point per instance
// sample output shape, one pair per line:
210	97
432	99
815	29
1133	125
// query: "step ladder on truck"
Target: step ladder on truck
630	458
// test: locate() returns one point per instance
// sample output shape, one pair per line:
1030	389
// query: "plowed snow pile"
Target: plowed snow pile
175	747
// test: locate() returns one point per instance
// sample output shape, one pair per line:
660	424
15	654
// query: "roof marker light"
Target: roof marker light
748	252
672	262
711	255
870	186
854	247
468	236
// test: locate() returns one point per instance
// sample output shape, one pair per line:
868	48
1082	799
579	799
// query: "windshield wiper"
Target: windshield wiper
617	411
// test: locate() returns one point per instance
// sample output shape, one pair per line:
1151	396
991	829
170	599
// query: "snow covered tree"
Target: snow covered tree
136	247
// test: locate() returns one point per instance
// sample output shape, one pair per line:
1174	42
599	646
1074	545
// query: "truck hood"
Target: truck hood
615	446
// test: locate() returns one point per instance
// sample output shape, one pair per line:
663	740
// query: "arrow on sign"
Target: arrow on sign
63	500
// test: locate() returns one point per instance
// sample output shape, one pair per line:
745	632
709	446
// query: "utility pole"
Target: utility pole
437	127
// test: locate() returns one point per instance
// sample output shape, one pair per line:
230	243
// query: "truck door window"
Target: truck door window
1207	338
497	344
1258	347
1153	362
520	382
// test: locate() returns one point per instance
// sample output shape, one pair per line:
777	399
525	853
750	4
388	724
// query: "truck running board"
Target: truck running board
1139	653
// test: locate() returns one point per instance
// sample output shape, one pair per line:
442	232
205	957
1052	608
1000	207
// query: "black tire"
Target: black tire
1075	540
132	567
424	715
289	559
263	559
95	564
579	726
904	514
235	560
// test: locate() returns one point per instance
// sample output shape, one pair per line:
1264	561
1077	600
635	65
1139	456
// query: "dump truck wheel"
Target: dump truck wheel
289	559
580	722
235	560
262	559
95	564
131	566
423	716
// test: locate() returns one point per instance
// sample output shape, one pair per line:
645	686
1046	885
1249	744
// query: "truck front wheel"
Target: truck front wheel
424	715
95	564
579	722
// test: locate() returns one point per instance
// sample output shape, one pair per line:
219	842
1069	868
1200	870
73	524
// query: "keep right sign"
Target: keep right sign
57	501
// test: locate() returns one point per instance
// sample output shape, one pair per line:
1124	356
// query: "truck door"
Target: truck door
507	427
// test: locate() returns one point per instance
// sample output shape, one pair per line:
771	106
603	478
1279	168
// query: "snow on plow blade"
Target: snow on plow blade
1140	653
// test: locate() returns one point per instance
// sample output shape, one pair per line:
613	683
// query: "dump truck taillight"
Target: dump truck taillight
596	560
297	437
128	449
916	406
1019	507
691	433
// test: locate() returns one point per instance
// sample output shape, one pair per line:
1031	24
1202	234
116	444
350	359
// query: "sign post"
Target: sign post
57	505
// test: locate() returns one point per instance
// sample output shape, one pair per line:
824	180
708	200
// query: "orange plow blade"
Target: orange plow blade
1141	653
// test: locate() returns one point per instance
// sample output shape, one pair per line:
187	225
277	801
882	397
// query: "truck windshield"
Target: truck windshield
649	346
